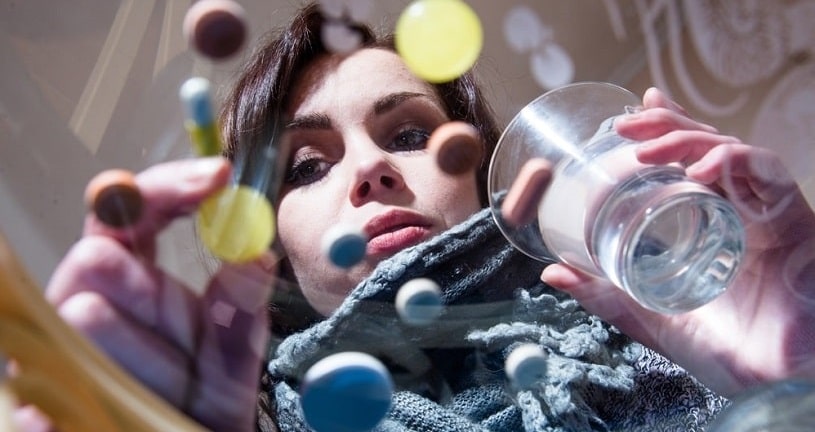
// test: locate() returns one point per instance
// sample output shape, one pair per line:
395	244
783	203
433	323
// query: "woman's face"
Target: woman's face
358	130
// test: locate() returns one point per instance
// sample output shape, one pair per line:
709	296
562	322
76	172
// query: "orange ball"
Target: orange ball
114	197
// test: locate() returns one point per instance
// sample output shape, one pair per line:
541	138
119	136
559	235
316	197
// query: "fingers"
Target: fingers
667	133
596	295
760	168
235	306
136	314
756	181
682	146
605	300
233	341
748	174
168	191
655	122
103	262
149	357
104	292
742	171
656	98
203	353
100	265
659	116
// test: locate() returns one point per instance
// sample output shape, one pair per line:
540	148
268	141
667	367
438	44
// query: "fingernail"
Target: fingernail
625	118
545	275
710	128
642	147
210	166
696	170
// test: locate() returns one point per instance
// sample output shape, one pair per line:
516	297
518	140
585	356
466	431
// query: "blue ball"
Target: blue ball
195	96
419	302
345	248
346	392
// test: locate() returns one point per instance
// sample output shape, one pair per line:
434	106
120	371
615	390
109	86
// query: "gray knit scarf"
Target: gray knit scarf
449	375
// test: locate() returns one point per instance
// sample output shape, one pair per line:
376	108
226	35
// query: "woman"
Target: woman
357	125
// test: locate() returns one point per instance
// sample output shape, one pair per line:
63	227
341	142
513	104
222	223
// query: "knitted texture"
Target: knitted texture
450	374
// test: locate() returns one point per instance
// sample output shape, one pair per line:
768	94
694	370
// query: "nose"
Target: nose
375	178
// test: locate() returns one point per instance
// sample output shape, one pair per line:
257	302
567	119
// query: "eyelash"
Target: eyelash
408	133
297	174
406	140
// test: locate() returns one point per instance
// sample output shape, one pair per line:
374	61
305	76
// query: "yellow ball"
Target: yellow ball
439	39
236	224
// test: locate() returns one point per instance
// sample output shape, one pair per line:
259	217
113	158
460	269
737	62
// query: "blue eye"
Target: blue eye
409	140
306	171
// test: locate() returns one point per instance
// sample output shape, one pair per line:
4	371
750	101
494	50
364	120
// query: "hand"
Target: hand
761	328
201	353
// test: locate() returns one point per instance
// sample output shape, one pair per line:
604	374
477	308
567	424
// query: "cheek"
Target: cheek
463	196
299	222
454	196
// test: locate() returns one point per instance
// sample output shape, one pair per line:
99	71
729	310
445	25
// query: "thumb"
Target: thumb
604	299
168	190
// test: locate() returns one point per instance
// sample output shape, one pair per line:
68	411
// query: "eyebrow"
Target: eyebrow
380	106
391	101
310	121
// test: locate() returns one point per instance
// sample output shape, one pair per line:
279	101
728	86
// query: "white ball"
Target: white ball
526	365
551	66
419	302
524	30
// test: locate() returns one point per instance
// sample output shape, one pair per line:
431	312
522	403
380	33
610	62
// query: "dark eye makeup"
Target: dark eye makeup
409	139
306	170
404	128
310	167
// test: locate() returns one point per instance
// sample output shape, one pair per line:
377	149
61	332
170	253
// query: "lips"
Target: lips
395	230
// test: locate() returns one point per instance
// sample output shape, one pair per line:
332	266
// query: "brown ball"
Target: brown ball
215	28
457	146
114	198
521	203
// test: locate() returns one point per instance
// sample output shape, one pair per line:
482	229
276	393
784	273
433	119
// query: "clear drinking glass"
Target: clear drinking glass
672	243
